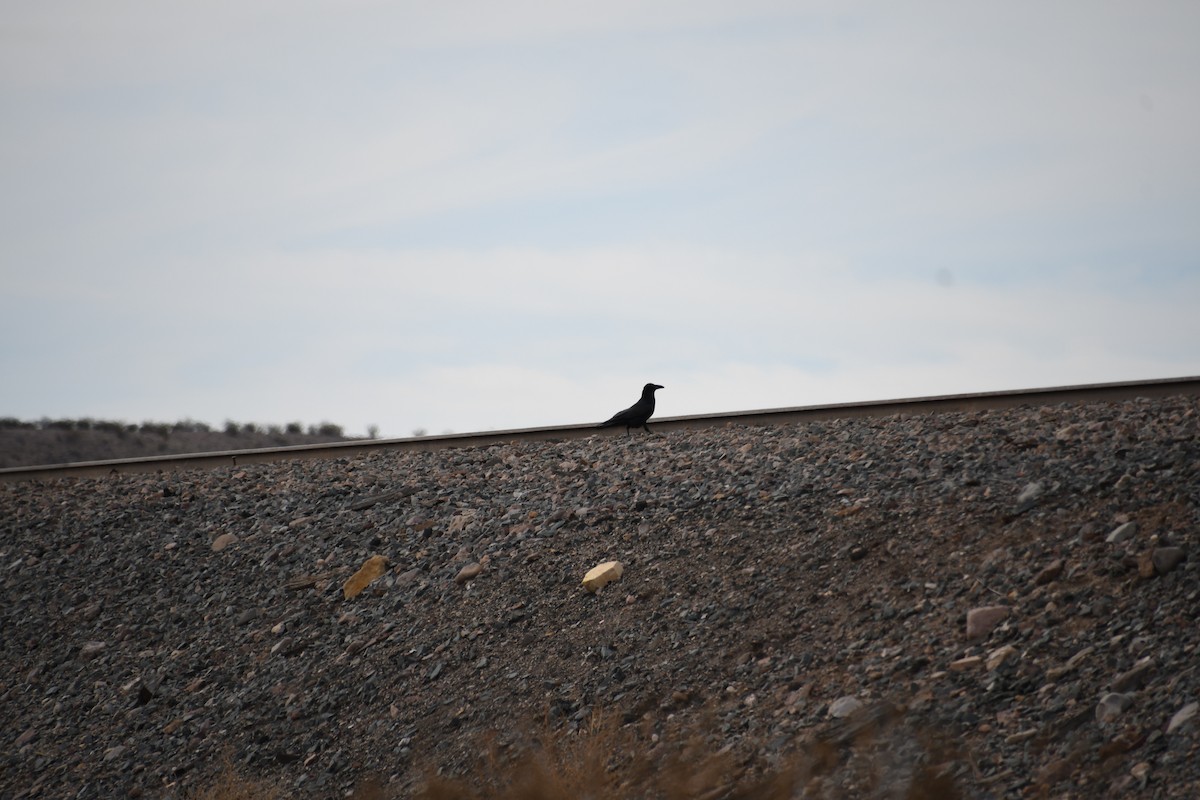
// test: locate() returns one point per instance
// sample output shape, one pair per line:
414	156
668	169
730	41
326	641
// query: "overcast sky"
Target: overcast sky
477	215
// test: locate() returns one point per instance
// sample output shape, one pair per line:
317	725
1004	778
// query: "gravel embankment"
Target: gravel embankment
771	576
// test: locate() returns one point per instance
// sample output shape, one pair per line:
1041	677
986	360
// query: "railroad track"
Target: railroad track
1101	392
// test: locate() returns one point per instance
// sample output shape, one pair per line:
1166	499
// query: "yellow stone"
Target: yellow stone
601	575
223	541
371	569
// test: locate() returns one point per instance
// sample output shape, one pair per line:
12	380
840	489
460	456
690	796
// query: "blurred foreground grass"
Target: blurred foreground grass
868	755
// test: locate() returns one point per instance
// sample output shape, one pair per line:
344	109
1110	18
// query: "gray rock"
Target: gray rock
1166	559
1183	717
1111	706
1056	673
1122	533
408	578
1029	496
844	706
92	649
1136	677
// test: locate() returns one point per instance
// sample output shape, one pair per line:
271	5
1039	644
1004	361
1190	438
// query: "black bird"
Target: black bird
637	414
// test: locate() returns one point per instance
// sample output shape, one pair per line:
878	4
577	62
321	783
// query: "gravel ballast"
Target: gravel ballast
1022	583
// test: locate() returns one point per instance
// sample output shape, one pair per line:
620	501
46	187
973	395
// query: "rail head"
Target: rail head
977	401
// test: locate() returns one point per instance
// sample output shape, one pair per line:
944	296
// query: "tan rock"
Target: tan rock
223	541
460	521
1049	573
980	621
1057	770
603	574
1066	432
1145	565
1055	673
92	649
999	656
965	664
371	569
468	572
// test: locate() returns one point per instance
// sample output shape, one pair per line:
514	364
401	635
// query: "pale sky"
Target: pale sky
478	215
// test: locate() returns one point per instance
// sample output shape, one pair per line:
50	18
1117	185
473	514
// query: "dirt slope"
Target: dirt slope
152	624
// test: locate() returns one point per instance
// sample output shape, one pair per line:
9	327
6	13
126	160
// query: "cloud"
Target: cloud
244	124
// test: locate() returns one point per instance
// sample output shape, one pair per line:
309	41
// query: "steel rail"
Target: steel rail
978	401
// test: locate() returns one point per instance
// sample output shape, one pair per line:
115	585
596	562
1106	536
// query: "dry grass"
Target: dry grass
232	785
872	759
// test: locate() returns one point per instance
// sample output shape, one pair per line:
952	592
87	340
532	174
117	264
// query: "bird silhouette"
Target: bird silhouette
637	414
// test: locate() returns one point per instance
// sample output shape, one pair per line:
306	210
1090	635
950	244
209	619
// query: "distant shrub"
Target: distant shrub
158	428
232	428
10	423
419	432
372	431
329	429
295	428
108	426
275	430
250	428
